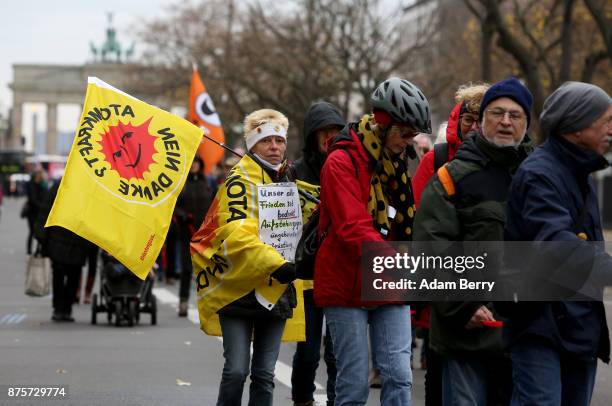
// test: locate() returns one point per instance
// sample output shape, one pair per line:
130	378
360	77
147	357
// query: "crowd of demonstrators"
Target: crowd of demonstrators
555	346
366	196
36	190
256	296
191	207
466	202
485	183
322	123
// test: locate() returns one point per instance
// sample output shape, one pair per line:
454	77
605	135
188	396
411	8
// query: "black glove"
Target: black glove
285	274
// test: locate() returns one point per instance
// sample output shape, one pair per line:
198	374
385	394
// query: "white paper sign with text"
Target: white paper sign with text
280	217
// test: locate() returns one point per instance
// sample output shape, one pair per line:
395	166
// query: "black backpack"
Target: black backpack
307	248
306	251
440	155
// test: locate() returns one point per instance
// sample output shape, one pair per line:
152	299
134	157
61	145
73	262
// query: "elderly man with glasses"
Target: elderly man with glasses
465	201
555	345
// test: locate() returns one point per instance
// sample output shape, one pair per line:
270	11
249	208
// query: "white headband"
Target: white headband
263	131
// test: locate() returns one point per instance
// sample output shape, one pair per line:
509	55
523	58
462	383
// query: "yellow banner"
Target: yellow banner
229	260
128	163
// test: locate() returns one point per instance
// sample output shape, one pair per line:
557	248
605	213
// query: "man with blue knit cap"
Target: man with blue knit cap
555	345
465	201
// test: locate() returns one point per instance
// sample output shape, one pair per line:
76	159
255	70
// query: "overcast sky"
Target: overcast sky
59	31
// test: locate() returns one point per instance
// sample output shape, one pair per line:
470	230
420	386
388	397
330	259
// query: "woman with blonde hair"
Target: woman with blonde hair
463	118
244	286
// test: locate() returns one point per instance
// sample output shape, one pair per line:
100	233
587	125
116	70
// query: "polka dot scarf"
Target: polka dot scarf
390	185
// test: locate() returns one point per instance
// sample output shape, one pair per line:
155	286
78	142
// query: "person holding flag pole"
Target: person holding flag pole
244	285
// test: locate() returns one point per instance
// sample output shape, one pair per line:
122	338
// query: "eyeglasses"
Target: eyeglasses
404	132
468	119
498	114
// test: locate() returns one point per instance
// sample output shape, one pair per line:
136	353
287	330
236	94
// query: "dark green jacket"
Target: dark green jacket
481	173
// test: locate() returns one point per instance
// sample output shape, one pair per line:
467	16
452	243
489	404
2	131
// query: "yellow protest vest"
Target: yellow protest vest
229	260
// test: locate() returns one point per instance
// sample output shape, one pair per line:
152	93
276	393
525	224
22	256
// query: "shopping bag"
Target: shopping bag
38	275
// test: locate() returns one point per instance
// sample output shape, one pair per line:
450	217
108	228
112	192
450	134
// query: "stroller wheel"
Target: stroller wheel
118	312
94	309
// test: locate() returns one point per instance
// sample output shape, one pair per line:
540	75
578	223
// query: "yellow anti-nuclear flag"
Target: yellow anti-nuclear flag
128	164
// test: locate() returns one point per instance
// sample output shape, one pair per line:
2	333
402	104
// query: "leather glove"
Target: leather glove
285	274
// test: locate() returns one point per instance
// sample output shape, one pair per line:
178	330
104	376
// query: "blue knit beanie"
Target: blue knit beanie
513	89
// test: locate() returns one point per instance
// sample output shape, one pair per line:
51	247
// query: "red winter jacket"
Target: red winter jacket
425	169
344	197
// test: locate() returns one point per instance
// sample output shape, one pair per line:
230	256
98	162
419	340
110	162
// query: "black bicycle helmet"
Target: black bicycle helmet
404	102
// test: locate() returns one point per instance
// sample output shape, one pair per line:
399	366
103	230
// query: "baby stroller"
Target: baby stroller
123	296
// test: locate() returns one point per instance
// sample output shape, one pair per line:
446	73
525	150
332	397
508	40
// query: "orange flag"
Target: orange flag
202	113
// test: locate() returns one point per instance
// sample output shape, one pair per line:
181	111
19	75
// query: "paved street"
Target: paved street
171	363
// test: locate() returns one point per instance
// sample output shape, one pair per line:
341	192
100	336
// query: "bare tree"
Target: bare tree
286	56
541	38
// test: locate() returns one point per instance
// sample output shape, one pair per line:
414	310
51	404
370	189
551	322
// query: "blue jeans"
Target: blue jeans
390	337
476	381
543	376
237	332
308	353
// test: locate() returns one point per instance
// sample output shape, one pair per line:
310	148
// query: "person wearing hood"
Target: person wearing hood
191	207
463	119
366	197
245	289
555	345
322	123
475	369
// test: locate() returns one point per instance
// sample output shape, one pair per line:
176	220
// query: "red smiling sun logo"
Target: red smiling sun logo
129	149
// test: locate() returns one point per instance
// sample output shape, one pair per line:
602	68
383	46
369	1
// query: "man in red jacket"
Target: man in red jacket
366	196
463	117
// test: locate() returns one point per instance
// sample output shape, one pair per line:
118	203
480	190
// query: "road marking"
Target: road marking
13	318
282	371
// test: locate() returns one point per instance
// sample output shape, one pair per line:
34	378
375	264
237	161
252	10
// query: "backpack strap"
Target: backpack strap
352	160
440	155
447	181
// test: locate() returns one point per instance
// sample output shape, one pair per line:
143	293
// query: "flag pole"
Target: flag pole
222	145
304	193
